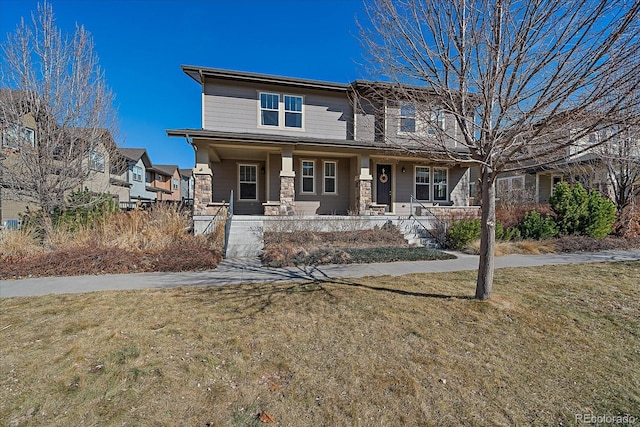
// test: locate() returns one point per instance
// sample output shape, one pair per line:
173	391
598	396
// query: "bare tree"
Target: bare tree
56	112
523	80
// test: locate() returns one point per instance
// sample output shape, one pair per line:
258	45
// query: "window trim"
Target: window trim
334	177
175	184
402	116
19	128
416	183
239	198
434	184
313	176
93	163
282	111
133	172
509	180
431	185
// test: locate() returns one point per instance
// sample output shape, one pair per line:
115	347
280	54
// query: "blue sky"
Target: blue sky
142	43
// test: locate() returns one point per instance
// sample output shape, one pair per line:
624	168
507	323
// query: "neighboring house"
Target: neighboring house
186	186
166	182
286	145
134	168
18	144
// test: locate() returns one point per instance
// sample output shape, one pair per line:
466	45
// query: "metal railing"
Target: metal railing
415	206
227	225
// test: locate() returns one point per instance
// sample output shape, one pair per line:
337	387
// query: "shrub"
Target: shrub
463	232
570	206
535	226
579	212
601	214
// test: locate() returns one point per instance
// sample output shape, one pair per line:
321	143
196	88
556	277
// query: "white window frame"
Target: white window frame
334	177
176	183
96	161
240	182
436	121
437	185
261	109
303	176
18	132
509	180
139	176
282	111
416	183
301	112
403	116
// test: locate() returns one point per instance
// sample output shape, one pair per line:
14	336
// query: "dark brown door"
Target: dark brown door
383	185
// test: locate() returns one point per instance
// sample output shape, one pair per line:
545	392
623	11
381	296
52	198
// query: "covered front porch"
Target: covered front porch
265	178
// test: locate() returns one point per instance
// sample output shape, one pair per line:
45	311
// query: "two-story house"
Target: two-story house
166	182
133	169
281	145
186	186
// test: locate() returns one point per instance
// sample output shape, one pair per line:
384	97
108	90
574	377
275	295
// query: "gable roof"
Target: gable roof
135	154
165	169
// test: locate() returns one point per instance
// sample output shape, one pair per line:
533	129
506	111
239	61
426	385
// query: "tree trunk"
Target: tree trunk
484	283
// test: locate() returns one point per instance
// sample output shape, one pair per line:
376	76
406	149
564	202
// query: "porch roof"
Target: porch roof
295	141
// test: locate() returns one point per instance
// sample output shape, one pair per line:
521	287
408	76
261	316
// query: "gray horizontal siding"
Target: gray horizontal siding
234	108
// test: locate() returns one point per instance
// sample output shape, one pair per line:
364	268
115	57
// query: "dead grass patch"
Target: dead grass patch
526	247
415	350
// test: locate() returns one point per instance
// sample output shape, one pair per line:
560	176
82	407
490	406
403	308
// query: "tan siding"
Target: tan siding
225	179
324	204
234	108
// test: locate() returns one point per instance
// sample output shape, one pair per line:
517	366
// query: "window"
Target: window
427	184
510	184
96	161
436	122
308	167
330	176
176	184
440	185
292	111
137	173
148	177
407	117
159	178
16	136
248	182
423	183
269	109
286	114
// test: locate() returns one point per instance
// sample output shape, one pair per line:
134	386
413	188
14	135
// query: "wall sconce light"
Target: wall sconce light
262	170
404	169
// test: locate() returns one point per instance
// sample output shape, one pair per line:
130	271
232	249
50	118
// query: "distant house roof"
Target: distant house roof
186	173
135	154
165	169
200	73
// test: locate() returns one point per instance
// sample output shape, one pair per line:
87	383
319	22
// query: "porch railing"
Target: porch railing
227	224
416	206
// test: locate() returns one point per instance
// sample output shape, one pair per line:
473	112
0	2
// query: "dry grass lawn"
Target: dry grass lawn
553	342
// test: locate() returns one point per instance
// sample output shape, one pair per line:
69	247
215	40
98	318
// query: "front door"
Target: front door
383	185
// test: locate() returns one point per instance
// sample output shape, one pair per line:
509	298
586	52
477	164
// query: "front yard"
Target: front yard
553	343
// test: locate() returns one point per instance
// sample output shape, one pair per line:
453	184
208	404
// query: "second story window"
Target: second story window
407	117
96	161
16	136
137	173
436	122
176	184
269	109
292	111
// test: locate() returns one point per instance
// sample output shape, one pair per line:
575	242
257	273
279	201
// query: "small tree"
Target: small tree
56	112
579	212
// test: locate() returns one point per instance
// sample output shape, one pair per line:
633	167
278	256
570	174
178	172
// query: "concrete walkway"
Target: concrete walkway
242	270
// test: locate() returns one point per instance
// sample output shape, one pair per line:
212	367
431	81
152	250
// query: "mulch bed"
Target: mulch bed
101	260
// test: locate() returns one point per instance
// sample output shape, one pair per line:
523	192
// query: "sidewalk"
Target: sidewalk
234	271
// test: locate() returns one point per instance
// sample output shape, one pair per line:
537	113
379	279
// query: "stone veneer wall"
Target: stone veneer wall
202	194
287	195
363	196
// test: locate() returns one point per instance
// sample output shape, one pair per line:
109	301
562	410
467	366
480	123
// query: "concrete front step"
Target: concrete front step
245	237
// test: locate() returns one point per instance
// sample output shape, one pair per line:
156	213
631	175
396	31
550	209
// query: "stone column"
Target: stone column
287	184
363	187
203	192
